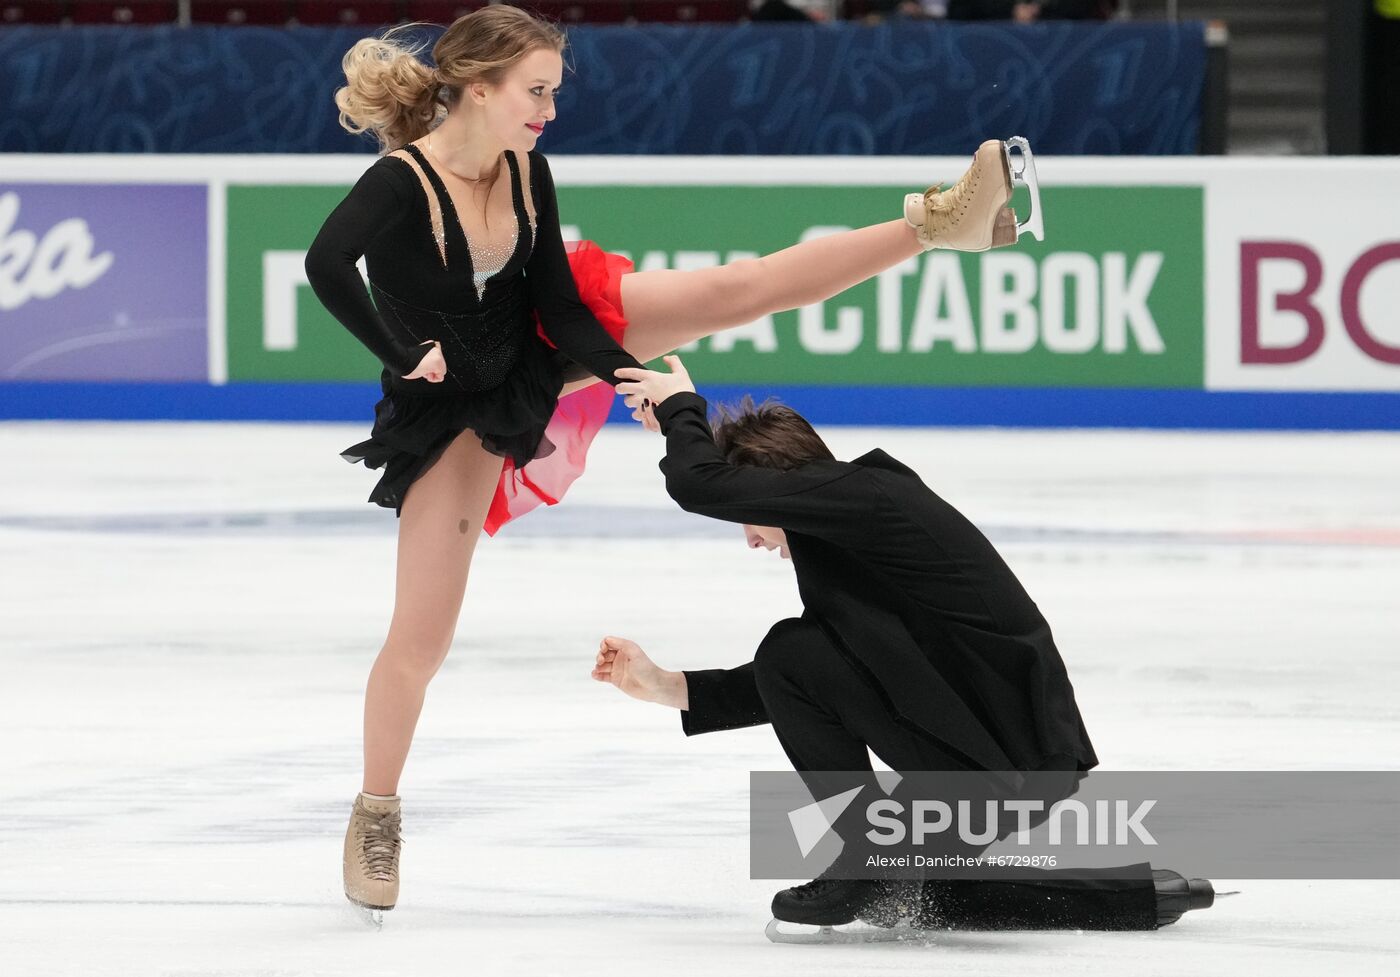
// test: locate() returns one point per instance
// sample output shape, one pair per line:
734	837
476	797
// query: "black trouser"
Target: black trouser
826	714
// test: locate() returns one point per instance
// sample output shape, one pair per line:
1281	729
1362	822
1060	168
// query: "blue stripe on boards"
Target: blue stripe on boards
876	406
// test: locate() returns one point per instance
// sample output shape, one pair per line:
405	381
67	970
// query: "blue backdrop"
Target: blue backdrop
898	88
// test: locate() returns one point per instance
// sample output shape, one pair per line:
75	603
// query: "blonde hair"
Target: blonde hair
393	94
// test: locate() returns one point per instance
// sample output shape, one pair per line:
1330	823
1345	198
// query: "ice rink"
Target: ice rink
191	611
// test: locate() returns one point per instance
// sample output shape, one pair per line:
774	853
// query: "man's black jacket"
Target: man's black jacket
907	589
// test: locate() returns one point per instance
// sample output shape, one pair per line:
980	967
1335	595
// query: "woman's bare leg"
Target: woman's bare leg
667	309
439	524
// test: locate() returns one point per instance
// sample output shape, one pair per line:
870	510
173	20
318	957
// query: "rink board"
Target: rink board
1181	293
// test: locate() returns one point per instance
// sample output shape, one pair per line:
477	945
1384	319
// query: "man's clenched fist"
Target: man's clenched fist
625	665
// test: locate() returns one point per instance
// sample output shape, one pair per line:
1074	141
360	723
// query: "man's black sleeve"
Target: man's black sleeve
817	499
722	698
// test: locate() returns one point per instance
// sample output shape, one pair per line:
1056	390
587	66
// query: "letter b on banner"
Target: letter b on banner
1303	302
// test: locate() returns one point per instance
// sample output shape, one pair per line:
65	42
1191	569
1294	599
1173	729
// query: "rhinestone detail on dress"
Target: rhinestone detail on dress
488	260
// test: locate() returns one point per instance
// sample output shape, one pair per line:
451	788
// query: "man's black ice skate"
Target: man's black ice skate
1177	894
826	902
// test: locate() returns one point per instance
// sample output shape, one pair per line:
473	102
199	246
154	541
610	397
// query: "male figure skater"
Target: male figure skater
916	642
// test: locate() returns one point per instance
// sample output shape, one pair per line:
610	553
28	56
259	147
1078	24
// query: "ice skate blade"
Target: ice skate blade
780	931
369	915
1024	175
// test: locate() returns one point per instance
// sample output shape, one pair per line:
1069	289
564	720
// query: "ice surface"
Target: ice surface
190	612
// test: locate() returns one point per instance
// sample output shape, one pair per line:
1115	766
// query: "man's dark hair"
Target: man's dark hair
768	435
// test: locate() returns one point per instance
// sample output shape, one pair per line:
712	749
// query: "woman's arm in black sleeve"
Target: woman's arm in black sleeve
372	205
566	320
819	498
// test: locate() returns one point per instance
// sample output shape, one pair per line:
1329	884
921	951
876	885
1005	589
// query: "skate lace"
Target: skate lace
944	207
380	844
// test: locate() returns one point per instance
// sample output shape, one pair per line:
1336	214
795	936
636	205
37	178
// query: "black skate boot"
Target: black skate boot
832	902
1177	894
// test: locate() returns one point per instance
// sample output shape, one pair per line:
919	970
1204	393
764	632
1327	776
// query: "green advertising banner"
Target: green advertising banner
276	327
1082	311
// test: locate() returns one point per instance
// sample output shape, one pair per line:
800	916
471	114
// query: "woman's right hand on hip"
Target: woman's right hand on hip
432	367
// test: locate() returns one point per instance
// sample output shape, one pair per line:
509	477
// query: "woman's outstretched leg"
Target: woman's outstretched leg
439	524
667	309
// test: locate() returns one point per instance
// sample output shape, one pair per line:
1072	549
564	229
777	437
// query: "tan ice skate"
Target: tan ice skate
372	845
973	214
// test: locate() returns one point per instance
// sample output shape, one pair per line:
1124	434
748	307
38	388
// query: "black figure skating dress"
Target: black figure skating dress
510	325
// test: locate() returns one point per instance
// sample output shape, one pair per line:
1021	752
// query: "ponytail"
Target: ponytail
388	91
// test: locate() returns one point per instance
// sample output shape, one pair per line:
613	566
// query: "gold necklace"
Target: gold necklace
485	217
466	179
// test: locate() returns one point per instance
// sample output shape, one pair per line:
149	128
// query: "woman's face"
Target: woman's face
517	109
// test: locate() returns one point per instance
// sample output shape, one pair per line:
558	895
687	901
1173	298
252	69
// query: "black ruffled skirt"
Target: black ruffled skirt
503	382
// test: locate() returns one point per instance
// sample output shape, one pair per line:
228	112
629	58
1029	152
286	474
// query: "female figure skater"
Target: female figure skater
479	315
